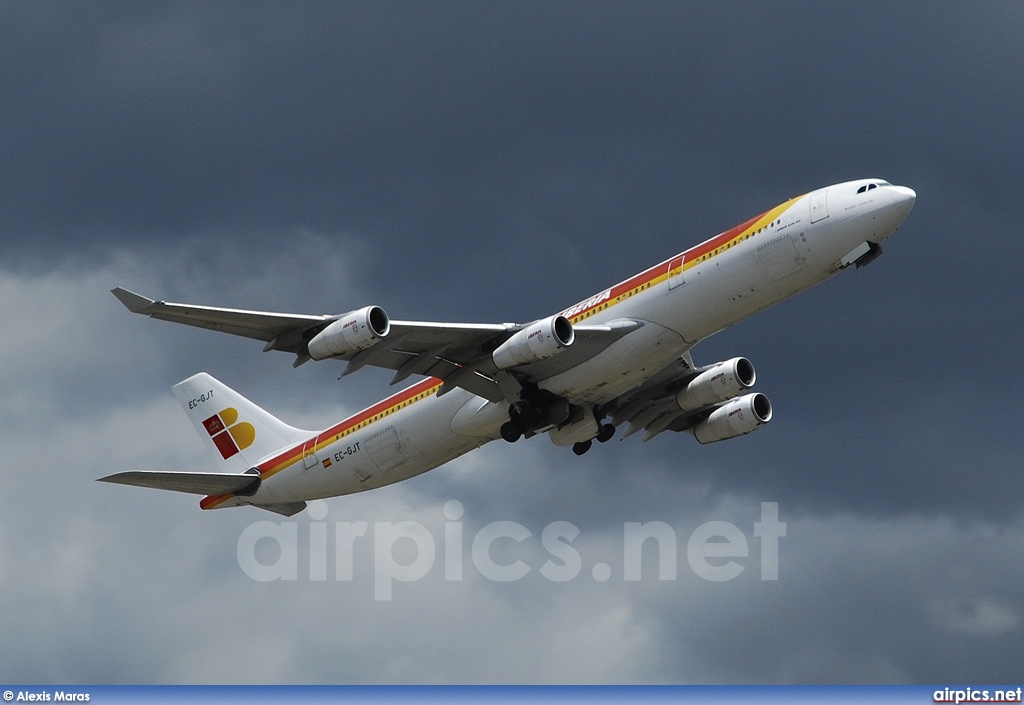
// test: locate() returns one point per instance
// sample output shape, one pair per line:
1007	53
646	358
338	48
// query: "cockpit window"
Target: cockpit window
872	186
862	189
868	187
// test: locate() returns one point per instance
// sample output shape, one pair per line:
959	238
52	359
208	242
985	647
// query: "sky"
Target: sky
489	162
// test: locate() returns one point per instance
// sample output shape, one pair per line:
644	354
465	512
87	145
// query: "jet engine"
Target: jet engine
737	417
718	383
351	332
538	341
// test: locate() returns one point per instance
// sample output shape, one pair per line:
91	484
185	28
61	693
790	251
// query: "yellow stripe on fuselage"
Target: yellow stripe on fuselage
659	273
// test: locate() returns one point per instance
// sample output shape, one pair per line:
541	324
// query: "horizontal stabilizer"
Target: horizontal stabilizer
206	483
284	508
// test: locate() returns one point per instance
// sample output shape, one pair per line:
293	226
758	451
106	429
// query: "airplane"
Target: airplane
621	356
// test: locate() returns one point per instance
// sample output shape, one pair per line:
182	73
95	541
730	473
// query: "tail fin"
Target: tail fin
237	432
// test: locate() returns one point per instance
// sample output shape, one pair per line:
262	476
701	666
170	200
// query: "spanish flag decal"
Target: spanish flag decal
228	435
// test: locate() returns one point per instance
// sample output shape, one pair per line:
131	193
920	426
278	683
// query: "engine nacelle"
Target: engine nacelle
718	383
538	341
735	418
353	331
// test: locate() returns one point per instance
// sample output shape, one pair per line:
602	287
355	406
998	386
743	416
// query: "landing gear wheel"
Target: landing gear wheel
510	432
581	447
605	433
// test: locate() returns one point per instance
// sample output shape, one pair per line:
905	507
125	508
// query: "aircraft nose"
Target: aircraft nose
901	201
903	197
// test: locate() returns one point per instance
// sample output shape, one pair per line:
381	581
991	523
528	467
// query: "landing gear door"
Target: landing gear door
675	272
819	205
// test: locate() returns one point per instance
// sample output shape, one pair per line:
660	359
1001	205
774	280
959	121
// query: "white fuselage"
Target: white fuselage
680	301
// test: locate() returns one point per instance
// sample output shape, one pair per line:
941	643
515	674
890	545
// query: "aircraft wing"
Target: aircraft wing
258	325
205	483
457	353
652	406
460	354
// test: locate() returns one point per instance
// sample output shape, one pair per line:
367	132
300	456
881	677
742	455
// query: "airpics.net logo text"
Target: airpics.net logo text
716	551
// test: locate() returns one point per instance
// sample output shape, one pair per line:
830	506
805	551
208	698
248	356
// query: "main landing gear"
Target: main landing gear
540	410
604	434
510	432
581	447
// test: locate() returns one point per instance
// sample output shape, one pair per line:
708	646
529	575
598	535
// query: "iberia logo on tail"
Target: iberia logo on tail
228	435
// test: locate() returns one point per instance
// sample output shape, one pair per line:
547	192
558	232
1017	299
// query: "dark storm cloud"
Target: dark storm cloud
459	161
538	138
176	118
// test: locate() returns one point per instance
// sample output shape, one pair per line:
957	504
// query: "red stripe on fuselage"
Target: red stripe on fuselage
271	467
380	407
660	269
